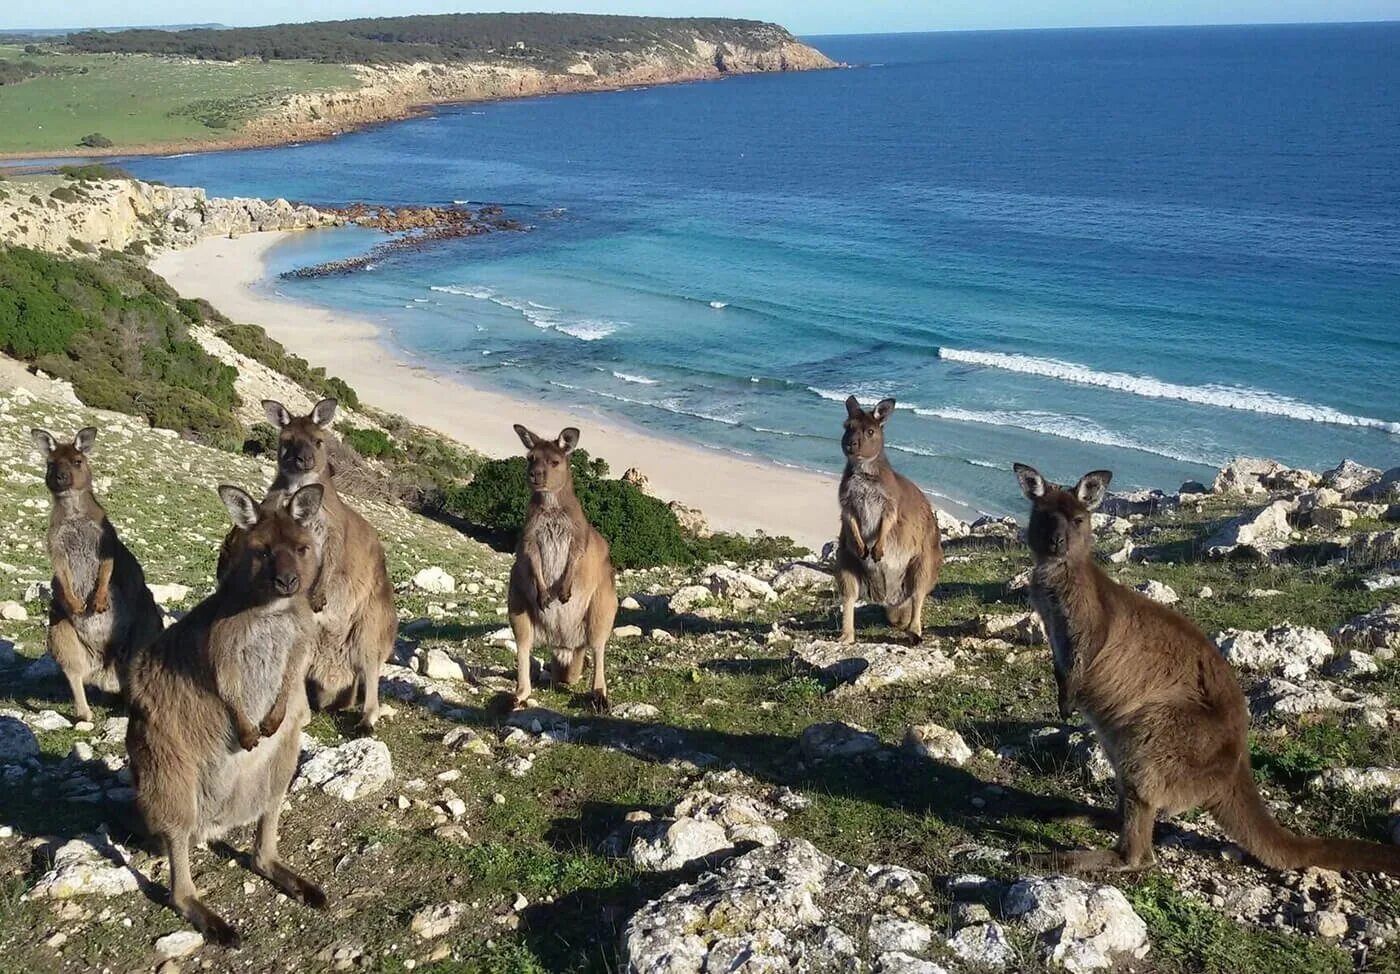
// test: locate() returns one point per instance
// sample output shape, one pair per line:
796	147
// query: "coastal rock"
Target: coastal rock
871	666
1244	475
1377	629
1082	926
1258	533
688	598
731	583
1138	503
836	739
1384	489
984	945
1331	519
1349	475
937	744
800	575
435	581
692	520
89	865
1021	628
1291	651
638	480
1159	592
352	770
787	906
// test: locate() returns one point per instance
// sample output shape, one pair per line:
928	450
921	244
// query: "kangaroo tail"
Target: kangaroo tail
1244	816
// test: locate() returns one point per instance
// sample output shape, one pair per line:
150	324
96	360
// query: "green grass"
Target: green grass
140	100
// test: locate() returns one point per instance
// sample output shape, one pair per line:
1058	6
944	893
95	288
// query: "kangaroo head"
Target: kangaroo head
1060	526
301	440
548	460
277	552
66	468
864	438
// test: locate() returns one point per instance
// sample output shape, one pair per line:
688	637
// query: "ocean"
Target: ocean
1148	250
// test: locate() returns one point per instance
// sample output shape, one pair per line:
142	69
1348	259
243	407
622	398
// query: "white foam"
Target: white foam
1065	427
480	293
1222	396
717	305
637	379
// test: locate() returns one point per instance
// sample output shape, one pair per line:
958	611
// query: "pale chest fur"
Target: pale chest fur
553	533
864	498
263	644
75	542
1049	607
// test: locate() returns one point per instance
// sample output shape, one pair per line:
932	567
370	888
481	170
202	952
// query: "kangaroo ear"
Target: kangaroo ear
306	503
323	412
242	509
884	409
1032	483
568	439
1092	488
853	410
277	413
43	441
86	439
526	437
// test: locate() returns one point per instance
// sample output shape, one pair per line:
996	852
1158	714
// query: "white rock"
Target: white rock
687	598
436	664
435	581
1377	629
984	944
435	921
1292	651
87	866
872	666
1358	779
181	943
1259	533
636	711
889	933
731	583
800	575
48	720
1021	628
627	632
466	739
1083	926
169	592
352	770
672	845
938	744
1349	475
1159	592
821	742
1244	475
13	612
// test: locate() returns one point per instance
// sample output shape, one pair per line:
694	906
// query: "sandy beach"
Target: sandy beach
735	494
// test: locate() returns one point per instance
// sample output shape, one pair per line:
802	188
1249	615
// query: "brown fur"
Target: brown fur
1163	701
562	589
353	597
102	611
890	550
218	703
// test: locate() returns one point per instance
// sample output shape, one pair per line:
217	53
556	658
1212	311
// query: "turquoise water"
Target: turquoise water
1147	250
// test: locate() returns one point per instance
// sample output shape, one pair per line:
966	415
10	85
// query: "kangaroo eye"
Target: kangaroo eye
554	463
303	549
1079	519
320	442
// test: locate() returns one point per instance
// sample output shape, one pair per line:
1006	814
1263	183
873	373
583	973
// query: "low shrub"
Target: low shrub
371	443
95	140
94	172
252	341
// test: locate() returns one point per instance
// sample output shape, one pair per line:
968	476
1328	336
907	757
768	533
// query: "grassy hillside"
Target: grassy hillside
523	854
541	40
142	100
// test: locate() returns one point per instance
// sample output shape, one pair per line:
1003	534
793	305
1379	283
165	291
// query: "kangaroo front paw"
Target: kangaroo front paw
248	738
268	726
101	602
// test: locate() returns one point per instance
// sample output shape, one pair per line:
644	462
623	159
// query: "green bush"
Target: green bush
370	443
95	140
261	441
94	172
255	343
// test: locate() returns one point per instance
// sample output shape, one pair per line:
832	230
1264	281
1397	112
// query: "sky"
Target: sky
800	16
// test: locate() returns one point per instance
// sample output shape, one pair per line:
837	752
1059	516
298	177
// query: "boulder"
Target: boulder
688	597
836	739
89	865
434	663
950	528
1159	592
800	575
1349	475
984	945
1244	475
435	581
436	920
784	907
168	593
1358	779
1021	628
691	519
731	583
937	744
1383	490
1331	519
17	741
1291	651
1279	696
353	770
1081	926
677	843
1258	533
179	944
871	666
1377	629
1138	503
639	480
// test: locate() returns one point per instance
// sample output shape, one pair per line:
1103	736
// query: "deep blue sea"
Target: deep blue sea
1148	250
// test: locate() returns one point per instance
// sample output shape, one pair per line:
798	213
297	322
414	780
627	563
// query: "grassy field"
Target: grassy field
137	100
726	688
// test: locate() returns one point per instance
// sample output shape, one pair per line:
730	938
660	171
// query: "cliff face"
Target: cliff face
117	214
397	90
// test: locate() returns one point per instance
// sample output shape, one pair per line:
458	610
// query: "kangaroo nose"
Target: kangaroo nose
287	583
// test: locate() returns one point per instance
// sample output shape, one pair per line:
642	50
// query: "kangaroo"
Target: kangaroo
889	550
219	700
1161	698
562	590
352	596
101	611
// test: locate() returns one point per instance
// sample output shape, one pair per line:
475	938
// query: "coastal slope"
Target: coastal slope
292	82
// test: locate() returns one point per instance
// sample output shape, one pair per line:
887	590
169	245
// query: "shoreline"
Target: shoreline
294	133
734	493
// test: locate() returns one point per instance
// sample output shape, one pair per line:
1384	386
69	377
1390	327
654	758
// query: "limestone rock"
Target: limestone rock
1358	779
938	744
1159	592
1021	628
731	583
17	741
436	920
821	742
669	845
1349	475
1291	651
1258	533
692	520
1138	503
181	943
434	663
1382	490
169	593
688	597
1244	475
1377	629
871	666
1083	926
89	865
435	581
800	575
352	770
983	944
